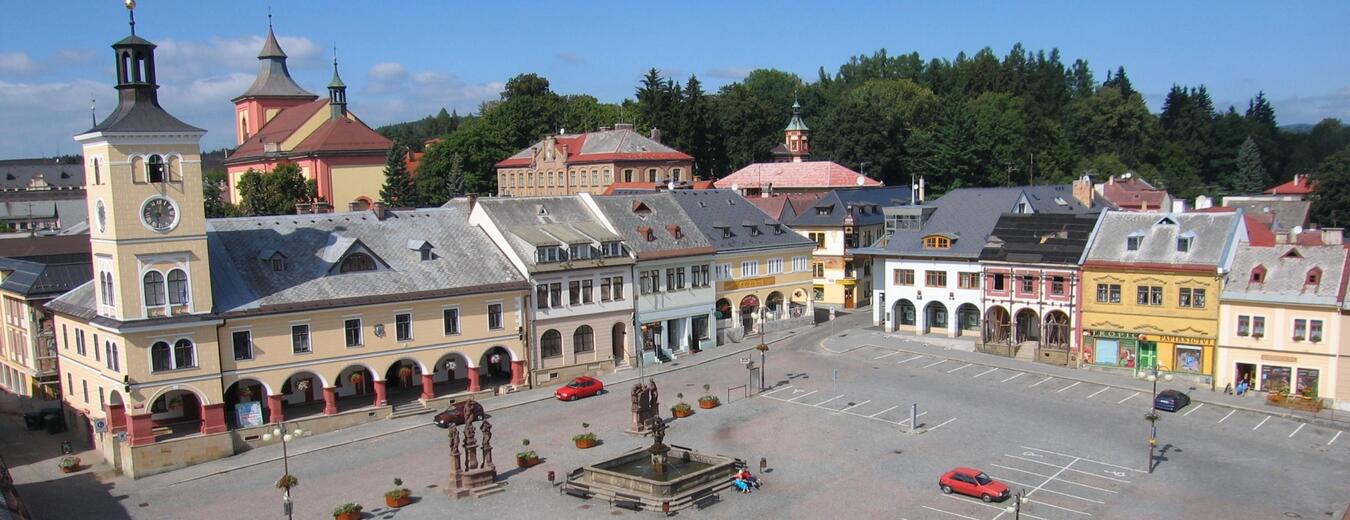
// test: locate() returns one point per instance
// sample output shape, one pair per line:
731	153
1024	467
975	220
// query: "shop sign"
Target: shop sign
1282	359
747	283
249	414
1113	334
1165	338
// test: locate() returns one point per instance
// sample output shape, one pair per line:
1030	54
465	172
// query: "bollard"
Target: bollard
913	417
763	464
836	374
550	476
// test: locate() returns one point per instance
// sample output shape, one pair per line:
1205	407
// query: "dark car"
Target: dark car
1171	401
973	482
459	413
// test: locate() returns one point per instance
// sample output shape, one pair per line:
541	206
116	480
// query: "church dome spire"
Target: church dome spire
274	78
138	107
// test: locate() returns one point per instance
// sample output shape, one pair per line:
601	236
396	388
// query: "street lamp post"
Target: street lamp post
1016	507
286	434
1151	374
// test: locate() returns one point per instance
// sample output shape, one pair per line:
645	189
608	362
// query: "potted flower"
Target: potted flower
526	457
287	482
584	440
69	464
357	379
348	511
681	409
1298	337
245	393
708	400
1315	338
399	496
405	375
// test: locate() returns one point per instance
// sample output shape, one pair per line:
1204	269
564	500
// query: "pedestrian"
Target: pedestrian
1228	389
1242	387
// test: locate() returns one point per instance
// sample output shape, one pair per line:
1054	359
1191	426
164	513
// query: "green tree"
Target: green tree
871	127
213	196
274	193
398	189
1331	195
701	136
1251	176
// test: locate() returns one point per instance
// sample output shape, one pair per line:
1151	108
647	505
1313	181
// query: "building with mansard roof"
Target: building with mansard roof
591	162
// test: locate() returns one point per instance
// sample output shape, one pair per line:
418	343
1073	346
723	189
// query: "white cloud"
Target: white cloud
1314	108
16	63
393	93
571	57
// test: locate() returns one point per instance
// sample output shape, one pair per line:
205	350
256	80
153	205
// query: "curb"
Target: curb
487	406
1284	415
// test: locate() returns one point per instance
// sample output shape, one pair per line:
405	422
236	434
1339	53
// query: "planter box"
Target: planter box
71	469
707	404
347	516
680	414
526	463
584	443
397	502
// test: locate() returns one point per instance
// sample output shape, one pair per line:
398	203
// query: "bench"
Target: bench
707	500
577	492
628	502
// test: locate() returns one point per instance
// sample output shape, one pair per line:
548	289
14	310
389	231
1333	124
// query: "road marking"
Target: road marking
1263	421
776	390
1084	459
1094	394
944	423
1333	439
886	355
1197	407
976	502
1025	485
1122	401
1300	427
1038	383
803	395
1088	473
1055	477
830	399
921	414
939	362
983	373
884	411
1019	374
908	360
872	417
856	405
958	368
950	513
1075	383
1230	414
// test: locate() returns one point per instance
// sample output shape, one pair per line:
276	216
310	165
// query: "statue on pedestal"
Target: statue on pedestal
454	452
470	445
487	444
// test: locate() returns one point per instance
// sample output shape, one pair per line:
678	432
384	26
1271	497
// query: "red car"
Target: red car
580	387
973	482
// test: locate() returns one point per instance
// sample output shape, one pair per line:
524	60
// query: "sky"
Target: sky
403	60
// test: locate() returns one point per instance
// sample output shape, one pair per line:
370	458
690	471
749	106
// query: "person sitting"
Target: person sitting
741	485
744	474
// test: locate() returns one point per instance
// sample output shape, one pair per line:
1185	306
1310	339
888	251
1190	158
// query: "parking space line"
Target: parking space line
1122	401
830	399
958	515
1263	421
886	355
1075	383
1025	485
1001	510
1088	473
944	423
1056	478
1094	394
1098	462
921	414
1230	414
850	407
908	360
958	368
1019	374
1038	383
939	362
884	411
803	395
983	373
1333	439
1037	502
776	390
1197	407
1300	427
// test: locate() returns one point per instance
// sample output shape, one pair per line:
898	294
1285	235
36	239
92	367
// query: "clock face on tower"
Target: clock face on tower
159	214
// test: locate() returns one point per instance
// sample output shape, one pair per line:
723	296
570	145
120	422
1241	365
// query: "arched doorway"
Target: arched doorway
967	319
246	391
903	314
618	339
934	317
1057	332
355	387
494	367
177	411
1028	326
749	307
302	395
403	382
450	375
997	325
774	306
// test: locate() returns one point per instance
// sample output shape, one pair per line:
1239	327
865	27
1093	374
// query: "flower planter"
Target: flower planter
707	404
348	516
682	413
526	463
396	502
70	469
584	443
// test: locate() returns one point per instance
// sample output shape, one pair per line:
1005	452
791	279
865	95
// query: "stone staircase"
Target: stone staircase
488	490
410	409
1026	351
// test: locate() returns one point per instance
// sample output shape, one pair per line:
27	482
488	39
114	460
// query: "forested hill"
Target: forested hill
975	120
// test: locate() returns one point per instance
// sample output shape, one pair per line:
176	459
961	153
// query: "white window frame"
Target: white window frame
309	337
749	268
410	326
801	264
775	266
501	320
723	272
459	320
360	332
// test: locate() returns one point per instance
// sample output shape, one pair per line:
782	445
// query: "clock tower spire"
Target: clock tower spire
144	184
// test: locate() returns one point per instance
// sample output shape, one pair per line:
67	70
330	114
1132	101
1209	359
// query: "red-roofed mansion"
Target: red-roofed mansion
791	172
569	164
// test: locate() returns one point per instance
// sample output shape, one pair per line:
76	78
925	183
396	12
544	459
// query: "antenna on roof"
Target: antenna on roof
93	116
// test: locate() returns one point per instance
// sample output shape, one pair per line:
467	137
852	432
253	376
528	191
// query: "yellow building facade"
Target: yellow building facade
755	288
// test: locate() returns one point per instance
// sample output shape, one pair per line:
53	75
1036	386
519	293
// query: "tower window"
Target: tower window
154	289
178	287
154	169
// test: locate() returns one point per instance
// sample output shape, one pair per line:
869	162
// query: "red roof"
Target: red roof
1133	193
333	136
783	206
616	145
1301	185
343	134
811	174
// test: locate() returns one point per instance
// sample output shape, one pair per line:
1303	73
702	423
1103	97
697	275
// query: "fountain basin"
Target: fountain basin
688	475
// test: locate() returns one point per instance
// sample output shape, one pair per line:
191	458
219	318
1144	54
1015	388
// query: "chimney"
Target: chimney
378	208
1082	190
355	205
656	134
473	201
1203	202
921	195
1333	236
1292	236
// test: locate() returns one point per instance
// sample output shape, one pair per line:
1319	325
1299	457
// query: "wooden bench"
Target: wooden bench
707	500
628	502
577	492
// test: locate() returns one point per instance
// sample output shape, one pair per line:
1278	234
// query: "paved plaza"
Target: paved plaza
834	428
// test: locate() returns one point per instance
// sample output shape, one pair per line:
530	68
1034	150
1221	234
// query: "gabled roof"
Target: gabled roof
1039	238
968	213
1286	274
314	244
663	217
1133	192
531	222
863	203
1278	214
1213	236
808	174
274	79
335	135
46	278
619	144
19	174
729	222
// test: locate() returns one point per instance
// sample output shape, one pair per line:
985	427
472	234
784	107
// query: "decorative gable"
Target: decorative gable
348	255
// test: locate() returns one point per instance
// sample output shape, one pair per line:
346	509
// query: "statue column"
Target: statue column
473	379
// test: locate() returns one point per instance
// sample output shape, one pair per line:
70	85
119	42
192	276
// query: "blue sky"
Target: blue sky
404	60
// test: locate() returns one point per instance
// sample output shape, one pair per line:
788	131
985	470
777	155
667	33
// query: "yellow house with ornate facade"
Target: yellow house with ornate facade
1151	282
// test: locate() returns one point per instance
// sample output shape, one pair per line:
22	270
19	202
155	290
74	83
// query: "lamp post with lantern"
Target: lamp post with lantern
1151	374
287	481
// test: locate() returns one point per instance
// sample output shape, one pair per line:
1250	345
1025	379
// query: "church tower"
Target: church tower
144	190
797	137
273	91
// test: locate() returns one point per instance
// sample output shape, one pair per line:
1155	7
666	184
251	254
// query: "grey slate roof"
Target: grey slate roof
661	211
865	204
18	174
729	222
274	79
465	259
70	212
1285	274
968	215
530	222
41	278
78	302
1039	238
1280	215
1213	235
138	110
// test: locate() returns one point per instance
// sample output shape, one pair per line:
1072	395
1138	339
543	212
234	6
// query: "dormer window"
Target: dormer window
612	249
278	264
1259	274
580	251
675	231
423	249
640	208
1184	242
1134	241
937	242
548	254
154	169
824	210
1314	276
357	262
777	228
754	231
274	259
